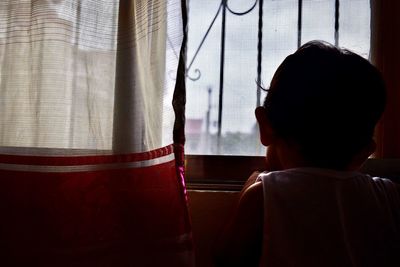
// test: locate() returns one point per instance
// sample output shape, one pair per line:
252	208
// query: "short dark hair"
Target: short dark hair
327	100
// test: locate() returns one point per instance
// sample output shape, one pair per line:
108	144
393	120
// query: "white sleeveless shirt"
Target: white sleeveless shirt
319	217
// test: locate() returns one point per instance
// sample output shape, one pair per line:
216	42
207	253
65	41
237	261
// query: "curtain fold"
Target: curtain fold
385	55
91	146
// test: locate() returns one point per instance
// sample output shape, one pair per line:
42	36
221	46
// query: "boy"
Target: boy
312	207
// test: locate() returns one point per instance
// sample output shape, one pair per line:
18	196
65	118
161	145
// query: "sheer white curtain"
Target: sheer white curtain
90	173
88	74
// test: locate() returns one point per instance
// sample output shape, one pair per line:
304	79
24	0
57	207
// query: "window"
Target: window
233	44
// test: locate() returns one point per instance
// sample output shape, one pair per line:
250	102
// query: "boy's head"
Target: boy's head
325	101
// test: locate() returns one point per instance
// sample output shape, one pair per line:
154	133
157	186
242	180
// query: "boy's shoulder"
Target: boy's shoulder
251	199
311	172
293	178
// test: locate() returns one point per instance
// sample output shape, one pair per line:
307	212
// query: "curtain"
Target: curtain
91	174
385	54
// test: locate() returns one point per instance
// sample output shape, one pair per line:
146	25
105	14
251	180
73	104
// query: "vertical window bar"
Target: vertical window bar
337	5
299	22
221	74
259	50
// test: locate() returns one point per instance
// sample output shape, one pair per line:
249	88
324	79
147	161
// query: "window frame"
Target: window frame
229	172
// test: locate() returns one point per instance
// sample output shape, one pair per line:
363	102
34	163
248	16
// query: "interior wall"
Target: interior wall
209	211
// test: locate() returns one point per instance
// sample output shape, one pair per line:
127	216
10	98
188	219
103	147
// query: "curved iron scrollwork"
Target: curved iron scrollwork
223	4
197	72
192	78
201	45
241	13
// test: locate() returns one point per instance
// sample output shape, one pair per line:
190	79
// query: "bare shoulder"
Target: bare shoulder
252	195
251	205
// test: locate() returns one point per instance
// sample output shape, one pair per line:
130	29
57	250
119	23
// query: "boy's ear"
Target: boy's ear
266	132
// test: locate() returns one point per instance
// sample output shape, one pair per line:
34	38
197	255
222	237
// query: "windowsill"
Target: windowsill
228	173
220	173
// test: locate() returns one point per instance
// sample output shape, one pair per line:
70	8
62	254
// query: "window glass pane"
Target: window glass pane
318	21
354	31
202	75
279	35
239	129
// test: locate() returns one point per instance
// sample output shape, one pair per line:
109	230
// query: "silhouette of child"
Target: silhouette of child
312	207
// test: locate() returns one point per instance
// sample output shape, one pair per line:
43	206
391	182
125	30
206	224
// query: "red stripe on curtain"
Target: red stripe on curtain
112	217
86	160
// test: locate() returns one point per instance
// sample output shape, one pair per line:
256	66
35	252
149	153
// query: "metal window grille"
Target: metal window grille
223	8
